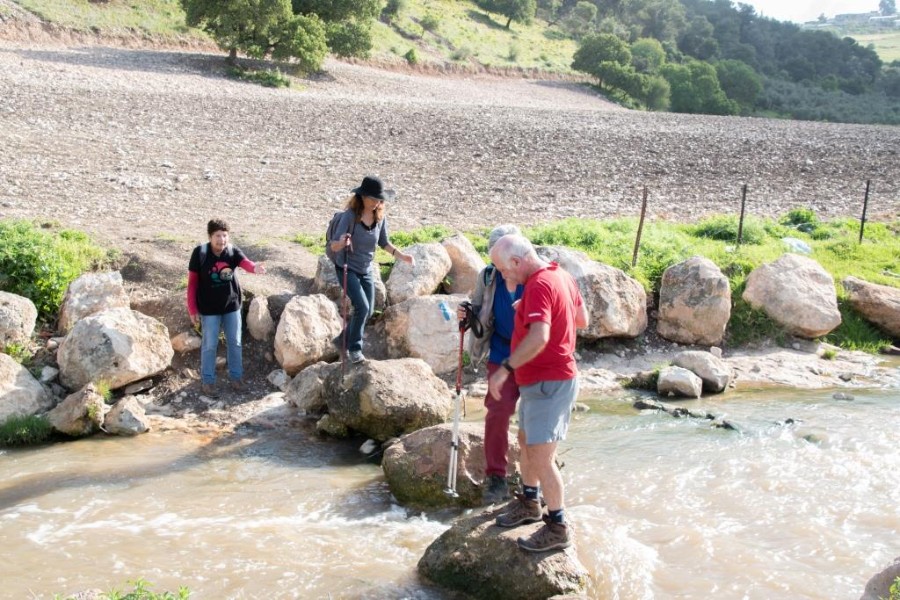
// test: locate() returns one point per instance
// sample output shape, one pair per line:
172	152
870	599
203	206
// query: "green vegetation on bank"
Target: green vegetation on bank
163	18
142	591
39	262
25	431
834	245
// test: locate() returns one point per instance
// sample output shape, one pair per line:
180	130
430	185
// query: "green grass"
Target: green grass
887	45
25	431
465	33
163	18
264	77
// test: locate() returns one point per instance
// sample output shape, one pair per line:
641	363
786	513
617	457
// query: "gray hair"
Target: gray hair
513	246
499	231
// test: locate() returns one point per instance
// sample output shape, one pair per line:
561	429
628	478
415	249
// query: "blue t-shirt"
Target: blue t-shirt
503	318
363	240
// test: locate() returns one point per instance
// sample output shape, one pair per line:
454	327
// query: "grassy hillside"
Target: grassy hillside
887	45
458	31
163	18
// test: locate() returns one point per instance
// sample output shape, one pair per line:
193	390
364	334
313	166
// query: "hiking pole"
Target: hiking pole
454	443
344	311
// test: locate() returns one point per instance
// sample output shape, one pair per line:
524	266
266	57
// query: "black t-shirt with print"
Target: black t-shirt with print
219	292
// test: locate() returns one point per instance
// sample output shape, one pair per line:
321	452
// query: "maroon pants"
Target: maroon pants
496	423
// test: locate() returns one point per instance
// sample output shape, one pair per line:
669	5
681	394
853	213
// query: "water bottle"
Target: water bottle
445	310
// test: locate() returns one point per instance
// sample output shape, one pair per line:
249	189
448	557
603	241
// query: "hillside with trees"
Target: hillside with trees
691	56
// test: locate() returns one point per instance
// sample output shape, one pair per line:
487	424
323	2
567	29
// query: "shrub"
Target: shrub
392	9
19	353
430	22
725	228
39	265
266	78
411	56
25	431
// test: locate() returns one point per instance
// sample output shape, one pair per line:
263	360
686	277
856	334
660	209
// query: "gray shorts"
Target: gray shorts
545	408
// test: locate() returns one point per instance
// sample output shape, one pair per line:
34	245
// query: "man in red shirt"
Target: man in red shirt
543	364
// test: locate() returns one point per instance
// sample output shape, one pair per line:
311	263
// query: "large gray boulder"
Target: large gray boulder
878	304
307	390
677	381
797	293
90	294
484	561
20	393
259	320
418	328
879	586
408	281
616	303
18	316
713	371
127	417
385	399
81	413
415	466
119	346
304	333
694	303
465	262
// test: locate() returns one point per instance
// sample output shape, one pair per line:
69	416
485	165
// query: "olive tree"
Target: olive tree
260	29
520	11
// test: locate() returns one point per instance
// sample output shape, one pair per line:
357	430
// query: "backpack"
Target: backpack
227	254
329	234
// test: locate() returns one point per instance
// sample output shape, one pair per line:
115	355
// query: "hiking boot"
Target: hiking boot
209	389
496	490
552	536
237	385
519	512
356	356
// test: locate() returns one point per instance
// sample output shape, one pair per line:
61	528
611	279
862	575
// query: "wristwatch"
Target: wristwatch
505	364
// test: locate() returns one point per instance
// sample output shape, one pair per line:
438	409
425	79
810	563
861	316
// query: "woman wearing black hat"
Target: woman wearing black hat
360	228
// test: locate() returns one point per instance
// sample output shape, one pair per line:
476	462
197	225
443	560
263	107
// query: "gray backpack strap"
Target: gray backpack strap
203	248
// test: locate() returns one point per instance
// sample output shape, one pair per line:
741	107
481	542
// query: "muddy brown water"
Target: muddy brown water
662	507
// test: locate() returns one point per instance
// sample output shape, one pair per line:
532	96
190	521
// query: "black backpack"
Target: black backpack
227	254
329	234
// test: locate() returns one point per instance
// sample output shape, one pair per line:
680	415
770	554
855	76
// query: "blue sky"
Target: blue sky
808	10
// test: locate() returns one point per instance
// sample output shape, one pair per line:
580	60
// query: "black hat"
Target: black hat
373	188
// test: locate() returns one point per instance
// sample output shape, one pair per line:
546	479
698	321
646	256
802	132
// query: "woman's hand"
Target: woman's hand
260	268
408	259
195	320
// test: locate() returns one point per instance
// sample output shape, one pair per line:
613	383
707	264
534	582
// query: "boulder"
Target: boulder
878	304
279	379
90	294
715	372
417	327
18	316
127	417
186	341
694	302
20	393
385	399
80	414
415	466
879	586
259	321
306	391
305	330
327	282
169	309
479	559
616	303
119	346
465	264
797	293
407	281
679	382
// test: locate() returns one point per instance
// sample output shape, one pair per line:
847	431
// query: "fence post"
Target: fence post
741	220
862	221
637	239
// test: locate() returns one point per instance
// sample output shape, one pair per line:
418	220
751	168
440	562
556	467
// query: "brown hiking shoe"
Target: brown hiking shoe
519	512
209	389
552	536
237	385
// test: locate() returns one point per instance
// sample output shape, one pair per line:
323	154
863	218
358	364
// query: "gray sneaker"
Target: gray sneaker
496	490
552	536
519	512
356	357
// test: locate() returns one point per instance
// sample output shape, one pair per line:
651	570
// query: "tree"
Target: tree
660	19
597	49
647	55
695	89
260	28
739	82
887	7
520	11
580	19
348	23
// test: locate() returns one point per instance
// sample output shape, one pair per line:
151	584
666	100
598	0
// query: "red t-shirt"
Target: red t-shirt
551	296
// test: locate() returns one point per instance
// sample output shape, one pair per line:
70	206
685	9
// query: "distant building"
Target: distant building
854	18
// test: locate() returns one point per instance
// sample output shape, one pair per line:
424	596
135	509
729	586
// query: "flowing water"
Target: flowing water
662	507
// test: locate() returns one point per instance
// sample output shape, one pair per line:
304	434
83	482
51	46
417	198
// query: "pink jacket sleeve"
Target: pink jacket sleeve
192	289
248	265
